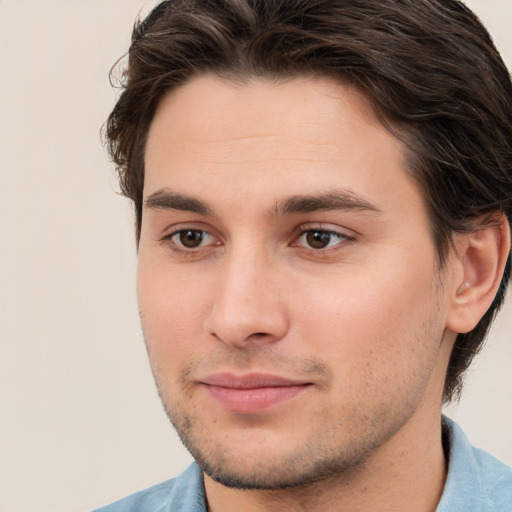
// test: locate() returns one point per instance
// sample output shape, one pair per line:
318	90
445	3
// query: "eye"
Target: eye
320	239
191	238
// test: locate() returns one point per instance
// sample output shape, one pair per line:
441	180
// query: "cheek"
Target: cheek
172	311
365	320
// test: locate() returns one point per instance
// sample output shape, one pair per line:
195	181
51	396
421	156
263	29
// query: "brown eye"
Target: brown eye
191	241
191	238
318	239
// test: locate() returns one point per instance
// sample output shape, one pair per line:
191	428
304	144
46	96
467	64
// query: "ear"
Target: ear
480	258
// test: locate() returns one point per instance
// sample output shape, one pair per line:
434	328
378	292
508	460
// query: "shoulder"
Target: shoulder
496	479
476	480
184	493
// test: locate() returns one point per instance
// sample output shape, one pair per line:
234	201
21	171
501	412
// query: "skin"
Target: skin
362	320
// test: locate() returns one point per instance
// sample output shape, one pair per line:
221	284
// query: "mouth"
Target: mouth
251	393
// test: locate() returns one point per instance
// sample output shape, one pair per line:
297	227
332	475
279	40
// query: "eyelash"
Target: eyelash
341	238
178	247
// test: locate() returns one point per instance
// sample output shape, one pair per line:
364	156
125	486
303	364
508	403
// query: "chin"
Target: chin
265	463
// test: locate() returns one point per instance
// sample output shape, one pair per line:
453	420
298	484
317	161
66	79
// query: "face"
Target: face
288	289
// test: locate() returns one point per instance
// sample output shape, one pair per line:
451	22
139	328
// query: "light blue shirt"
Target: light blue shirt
476	482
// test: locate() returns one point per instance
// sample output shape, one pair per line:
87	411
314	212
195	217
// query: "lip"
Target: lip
251	393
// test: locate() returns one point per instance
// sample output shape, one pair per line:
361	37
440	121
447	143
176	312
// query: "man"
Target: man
323	193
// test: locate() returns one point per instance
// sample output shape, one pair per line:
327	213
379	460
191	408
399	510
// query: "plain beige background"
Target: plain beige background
80	422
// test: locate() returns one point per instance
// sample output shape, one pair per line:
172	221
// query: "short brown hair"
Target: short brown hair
430	67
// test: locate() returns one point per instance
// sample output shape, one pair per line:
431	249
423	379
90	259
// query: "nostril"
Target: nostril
256	336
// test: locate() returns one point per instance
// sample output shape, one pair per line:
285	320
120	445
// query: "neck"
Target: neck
407	473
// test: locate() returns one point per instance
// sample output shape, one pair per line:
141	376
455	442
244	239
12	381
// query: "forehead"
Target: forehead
225	140
210	108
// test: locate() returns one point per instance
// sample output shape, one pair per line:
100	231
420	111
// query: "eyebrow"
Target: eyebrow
293	205
336	200
169	200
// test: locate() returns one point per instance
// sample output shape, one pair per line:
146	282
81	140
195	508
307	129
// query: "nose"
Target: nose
248	306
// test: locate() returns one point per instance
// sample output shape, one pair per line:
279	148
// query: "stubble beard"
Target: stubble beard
338	449
313	461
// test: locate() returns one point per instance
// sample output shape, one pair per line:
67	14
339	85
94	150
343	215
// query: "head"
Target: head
430	68
427	71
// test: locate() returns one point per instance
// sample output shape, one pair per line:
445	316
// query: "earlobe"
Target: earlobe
482	256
